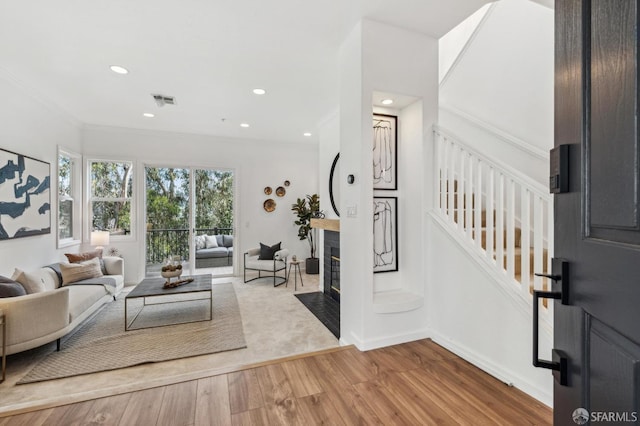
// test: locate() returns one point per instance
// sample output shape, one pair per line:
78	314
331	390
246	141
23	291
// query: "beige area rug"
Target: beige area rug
101	343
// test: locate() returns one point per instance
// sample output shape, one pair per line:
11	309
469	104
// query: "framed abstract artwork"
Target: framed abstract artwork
25	196
385	234
385	152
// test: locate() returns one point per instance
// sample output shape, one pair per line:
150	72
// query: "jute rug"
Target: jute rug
101	344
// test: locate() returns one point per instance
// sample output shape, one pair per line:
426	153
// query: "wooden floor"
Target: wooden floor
417	383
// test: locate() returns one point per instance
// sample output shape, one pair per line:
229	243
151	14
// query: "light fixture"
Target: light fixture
307	134
387	101
148	115
99	239
244	125
259	91
118	69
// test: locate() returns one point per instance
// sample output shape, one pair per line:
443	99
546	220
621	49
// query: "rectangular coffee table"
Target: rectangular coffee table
152	288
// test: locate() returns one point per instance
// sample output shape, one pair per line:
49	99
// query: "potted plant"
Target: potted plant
307	209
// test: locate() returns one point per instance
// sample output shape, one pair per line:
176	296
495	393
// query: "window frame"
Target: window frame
76	197
131	236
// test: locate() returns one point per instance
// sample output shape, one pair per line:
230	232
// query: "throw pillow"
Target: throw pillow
267	253
88	255
31	281
10	288
73	272
200	242
81	257
227	240
210	241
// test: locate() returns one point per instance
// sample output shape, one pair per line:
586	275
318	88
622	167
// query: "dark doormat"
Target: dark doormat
324	308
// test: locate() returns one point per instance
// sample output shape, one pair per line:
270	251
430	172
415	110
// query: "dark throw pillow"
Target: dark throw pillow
10	288
56	268
267	253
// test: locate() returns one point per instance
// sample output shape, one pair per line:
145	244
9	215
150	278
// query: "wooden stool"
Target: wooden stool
296	269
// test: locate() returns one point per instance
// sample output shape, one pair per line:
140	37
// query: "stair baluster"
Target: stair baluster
502	213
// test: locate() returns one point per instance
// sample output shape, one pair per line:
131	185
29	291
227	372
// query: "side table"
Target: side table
296	270
4	345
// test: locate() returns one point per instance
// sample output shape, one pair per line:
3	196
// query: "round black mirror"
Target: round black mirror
334	184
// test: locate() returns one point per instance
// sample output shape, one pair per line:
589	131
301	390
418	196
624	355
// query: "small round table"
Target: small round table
296	270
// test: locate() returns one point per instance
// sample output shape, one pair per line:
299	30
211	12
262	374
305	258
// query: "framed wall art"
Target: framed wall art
385	152
25	196
385	234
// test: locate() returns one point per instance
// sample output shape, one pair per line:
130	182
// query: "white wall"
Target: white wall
498	146
329	146
470	315
32	127
452	43
505	77
408	66
256	164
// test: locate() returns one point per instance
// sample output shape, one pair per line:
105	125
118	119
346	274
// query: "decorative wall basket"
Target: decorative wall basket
269	205
280	191
267	190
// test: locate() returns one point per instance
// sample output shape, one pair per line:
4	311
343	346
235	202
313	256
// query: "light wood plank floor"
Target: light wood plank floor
417	383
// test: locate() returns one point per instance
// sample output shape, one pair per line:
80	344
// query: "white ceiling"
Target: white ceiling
208	54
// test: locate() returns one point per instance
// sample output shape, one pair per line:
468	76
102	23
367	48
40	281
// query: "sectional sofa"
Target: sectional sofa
38	318
214	251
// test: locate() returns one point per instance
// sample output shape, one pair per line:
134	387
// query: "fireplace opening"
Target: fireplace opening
334	290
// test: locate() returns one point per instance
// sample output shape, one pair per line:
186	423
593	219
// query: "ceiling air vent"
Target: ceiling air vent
162	100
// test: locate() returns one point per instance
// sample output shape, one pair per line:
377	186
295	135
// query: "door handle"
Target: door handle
559	363
550	276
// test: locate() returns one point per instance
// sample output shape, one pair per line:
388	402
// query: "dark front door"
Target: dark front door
597	222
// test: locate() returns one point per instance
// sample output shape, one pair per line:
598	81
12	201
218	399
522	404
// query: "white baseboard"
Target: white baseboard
381	342
499	372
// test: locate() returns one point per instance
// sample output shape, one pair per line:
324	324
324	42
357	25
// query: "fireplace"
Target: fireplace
332	264
334	284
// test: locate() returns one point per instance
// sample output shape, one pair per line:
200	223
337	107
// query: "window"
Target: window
110	196
69	194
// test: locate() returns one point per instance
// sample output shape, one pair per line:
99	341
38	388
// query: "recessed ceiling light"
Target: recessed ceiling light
259	91
307	134
244	125
149	115
118	69
387	101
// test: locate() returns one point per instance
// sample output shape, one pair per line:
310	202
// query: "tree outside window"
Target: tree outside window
214	199
111	195
69	183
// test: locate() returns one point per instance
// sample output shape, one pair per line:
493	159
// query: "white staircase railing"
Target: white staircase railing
503	214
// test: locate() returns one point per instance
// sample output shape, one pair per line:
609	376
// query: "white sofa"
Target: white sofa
35	319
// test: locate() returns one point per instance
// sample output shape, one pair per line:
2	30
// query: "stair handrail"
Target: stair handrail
532	184
465	179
